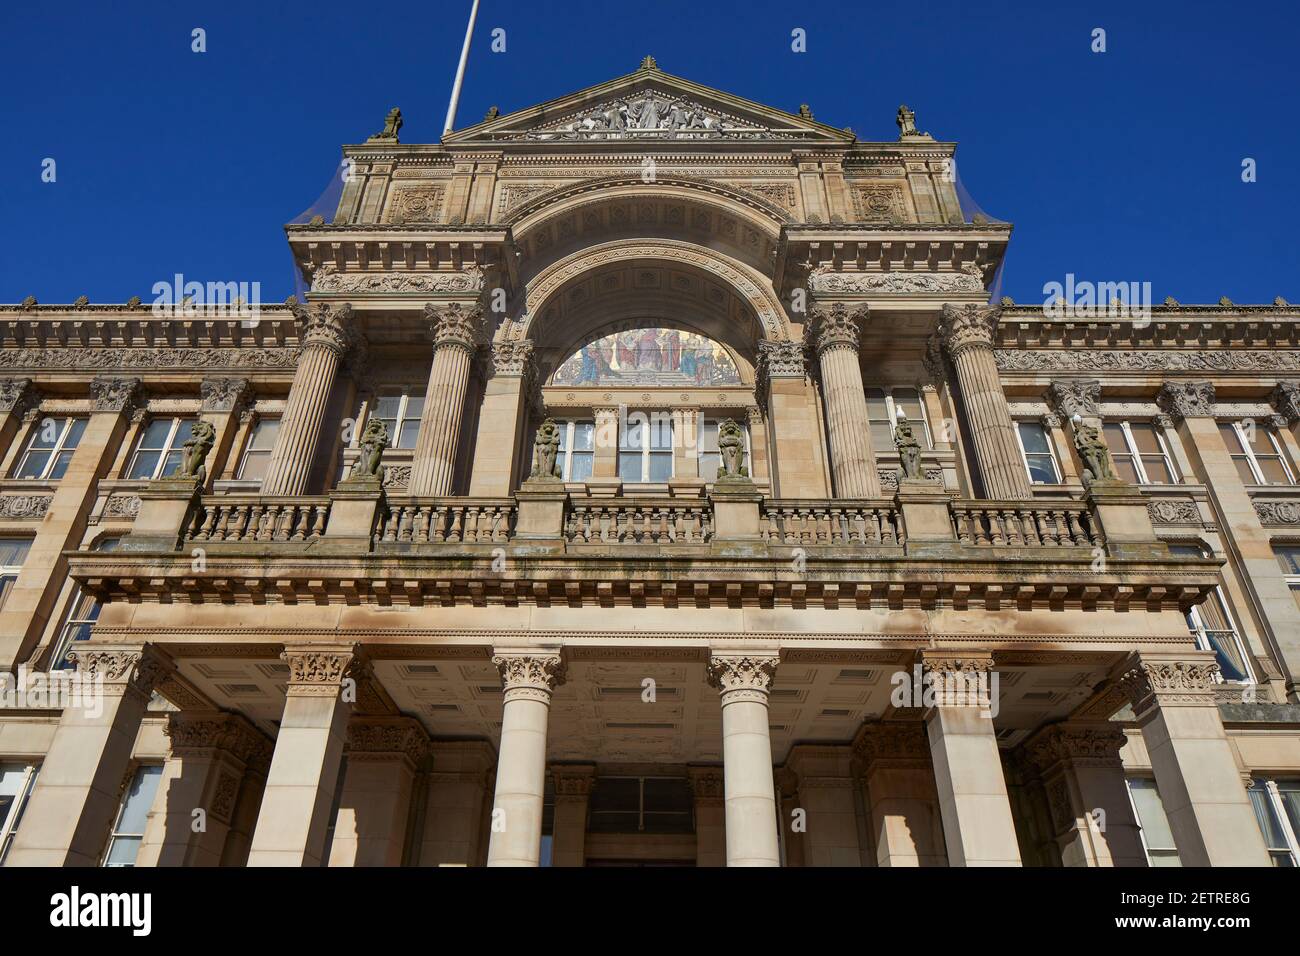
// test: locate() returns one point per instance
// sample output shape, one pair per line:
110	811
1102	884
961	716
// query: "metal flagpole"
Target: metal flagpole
460	72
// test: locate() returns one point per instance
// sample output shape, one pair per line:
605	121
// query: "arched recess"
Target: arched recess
551	227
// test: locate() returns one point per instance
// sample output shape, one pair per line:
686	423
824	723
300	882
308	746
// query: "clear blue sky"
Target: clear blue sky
1122	166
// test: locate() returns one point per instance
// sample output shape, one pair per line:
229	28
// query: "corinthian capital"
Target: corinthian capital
1075	398
1149	681
116	394
318	670
1286	399
513	358
837	328
781	358
1187	399
1079	744
530	675
968	326
743	676
454	325
17	395
223	394
327	326
122	669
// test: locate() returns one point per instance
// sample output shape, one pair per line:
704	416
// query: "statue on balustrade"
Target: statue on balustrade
731	449
546	452
196	449
373	442
1093	452
909	449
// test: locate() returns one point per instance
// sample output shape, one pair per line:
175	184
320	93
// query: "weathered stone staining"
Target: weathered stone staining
457	546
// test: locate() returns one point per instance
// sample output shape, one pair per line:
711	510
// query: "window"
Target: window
1212	627
1139	452
82	614
577	449
1277	809
1153	825
882	413
1257	453
16	782
257	454
400	414
1036	447
1289	557
709	454
645	448
128	831
641	805
13	552
158	452
50	448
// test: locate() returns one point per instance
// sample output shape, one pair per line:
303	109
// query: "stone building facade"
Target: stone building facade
564	523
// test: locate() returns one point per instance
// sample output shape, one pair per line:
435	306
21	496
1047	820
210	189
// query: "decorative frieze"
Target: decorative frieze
1187	399
1155	360
1174	511
121	506
25	506
151	359
1278	513
327	278
897	283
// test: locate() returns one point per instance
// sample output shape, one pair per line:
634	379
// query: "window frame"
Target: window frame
250	450
1292	578
164	452
1051	452
9	824
569	427
11	571
404	396
1197	624
1135	454
115	833
63	644
1147	849
1269	787
54	451
891	408
641	811
652	420
1247	451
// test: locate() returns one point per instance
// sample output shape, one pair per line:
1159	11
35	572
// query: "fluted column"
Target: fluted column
744	681
967	333
326	339
853	463
529	677
455	336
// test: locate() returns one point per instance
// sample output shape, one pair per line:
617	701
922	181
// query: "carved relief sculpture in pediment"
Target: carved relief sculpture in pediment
649	115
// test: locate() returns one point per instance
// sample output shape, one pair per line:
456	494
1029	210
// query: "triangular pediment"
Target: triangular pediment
648	105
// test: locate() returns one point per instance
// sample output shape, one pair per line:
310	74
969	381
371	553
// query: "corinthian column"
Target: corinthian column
529	678
455	337
967	333
744	681
325	340
853	464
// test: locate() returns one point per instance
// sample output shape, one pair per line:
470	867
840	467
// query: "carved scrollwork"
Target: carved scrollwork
1187	399
968	326
1278	512
327	326
116	394
455	325
742	676
1072	398
835	327
25	506
1149	682
530	675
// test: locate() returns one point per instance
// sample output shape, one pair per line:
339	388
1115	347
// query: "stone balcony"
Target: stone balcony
923	548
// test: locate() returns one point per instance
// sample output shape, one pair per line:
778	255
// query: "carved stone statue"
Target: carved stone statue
373	442
906	122
909	449
731	449
546	449
1093	452
197	447
392	124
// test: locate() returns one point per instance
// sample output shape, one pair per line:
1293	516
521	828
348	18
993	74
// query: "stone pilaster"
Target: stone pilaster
798	460
853	463
504	411
456	331
308	753
211	752
902	803
825	789
967	334
529	677
744	681
326	339
978	829
457	804
1199	781
710	816
573	786
79	790
383	755
1083	778
224	401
